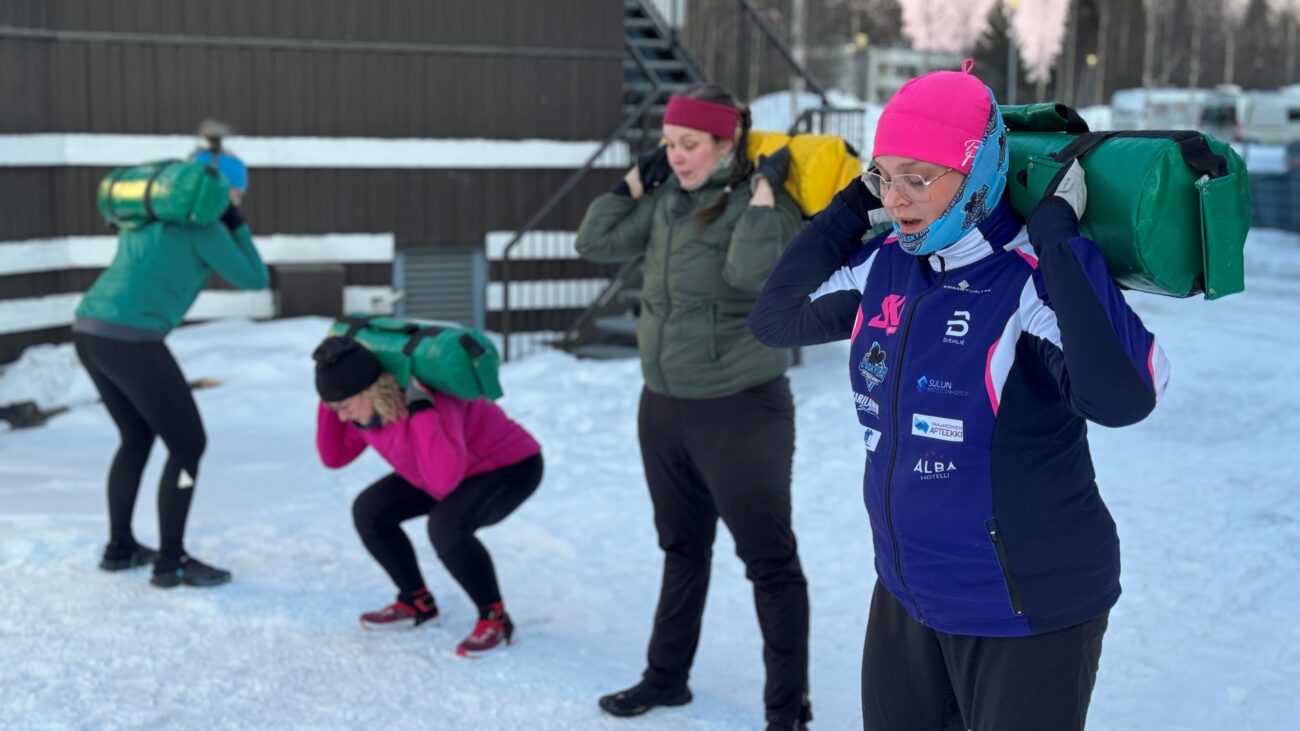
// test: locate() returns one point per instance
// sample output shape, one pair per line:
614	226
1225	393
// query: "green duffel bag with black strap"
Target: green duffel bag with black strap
446	357
1169	209
173	191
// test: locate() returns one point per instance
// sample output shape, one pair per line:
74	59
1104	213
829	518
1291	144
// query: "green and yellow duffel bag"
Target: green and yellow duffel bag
446	357
173	191
1169	209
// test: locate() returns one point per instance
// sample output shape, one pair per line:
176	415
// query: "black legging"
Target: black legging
479	501
147	396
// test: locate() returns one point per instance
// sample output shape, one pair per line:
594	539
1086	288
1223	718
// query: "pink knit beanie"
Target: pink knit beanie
939	118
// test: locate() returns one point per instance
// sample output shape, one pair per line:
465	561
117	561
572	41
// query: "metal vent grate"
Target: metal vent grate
442	284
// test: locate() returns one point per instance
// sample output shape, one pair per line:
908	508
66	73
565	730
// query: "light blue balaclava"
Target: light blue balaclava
979	193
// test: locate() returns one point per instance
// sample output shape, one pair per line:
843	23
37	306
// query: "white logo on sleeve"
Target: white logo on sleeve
937	427
184	481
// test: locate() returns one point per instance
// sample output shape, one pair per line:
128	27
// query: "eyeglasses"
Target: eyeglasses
910	186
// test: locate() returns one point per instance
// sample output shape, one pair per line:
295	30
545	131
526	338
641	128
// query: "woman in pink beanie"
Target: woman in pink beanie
980	347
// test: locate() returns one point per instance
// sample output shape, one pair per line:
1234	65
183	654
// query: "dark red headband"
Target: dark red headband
718	120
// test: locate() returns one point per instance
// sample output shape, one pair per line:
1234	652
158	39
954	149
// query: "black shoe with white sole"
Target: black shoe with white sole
121	558
643	697
188	571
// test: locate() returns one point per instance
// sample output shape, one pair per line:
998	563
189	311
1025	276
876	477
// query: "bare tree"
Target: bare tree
1103	38
945	25
1040	26
1065	74
1234	12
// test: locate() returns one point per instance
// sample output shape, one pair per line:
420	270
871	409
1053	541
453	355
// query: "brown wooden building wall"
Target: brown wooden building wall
443	69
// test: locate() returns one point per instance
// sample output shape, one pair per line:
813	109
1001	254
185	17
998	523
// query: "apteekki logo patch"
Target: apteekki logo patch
938	427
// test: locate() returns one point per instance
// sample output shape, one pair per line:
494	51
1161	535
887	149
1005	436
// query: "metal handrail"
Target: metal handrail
607	295
568	185
637	116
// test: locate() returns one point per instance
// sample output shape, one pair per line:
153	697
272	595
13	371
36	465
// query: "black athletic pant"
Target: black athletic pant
727	457
917	679
479	501
147	396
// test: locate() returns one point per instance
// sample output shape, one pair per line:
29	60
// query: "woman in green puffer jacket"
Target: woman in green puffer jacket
716	419
118	332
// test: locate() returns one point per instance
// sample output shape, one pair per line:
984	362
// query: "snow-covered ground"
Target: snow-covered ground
1206	636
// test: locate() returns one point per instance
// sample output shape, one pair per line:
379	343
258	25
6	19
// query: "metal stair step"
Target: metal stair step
605	352
656	64
616	325
654	43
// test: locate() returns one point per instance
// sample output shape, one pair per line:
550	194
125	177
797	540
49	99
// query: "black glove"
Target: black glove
775	167
653	168
1052	222
232	218
862	202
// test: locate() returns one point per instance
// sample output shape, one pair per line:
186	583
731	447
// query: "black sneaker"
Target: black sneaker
188	571
805	715
121	558
642	697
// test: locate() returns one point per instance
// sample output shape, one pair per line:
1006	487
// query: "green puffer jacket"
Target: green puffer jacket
699	286
157	274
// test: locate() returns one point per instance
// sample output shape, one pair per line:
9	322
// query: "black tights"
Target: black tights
479	501
147	396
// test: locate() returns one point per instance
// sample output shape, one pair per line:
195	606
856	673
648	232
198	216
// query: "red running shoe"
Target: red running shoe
408	611
493	629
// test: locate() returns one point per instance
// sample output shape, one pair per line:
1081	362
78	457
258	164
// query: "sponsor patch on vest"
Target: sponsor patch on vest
925	384
934	467
872	439
872	367
938	427
866	404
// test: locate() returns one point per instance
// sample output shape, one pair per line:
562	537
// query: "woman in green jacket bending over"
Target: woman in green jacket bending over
155	276
716	419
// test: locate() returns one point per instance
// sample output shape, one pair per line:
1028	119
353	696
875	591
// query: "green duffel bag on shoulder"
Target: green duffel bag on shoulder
1169	209
446	357
173	191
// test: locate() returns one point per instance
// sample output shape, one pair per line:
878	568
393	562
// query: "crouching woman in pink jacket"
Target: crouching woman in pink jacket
464	464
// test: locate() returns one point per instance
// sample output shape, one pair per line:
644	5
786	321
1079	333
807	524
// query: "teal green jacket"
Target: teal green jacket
157	274
699	285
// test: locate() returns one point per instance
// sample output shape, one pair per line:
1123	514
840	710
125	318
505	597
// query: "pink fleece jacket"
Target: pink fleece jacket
434	449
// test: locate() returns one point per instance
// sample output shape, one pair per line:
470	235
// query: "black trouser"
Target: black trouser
147	396
917	679
479	501
727	457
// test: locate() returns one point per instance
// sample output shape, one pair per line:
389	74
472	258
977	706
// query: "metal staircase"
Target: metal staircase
656	65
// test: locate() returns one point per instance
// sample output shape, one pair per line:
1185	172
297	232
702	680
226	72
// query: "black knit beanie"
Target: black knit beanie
344	368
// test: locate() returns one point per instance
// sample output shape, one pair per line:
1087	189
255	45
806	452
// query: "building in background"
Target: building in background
388	142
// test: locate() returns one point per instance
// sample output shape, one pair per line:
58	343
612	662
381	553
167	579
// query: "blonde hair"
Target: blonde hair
387	399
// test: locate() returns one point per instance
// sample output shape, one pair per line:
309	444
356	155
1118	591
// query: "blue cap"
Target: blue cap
229	165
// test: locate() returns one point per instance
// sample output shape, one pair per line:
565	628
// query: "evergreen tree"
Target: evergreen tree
991	54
